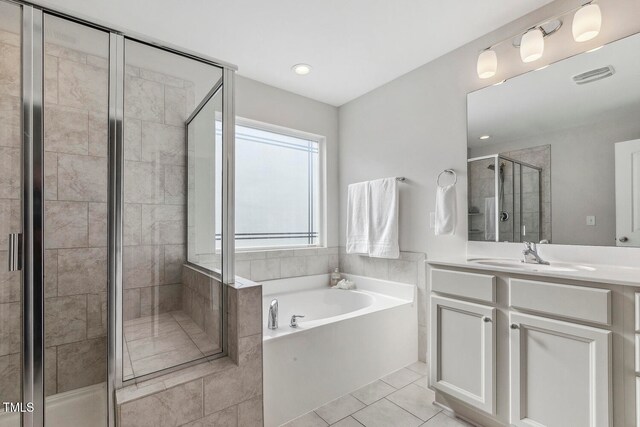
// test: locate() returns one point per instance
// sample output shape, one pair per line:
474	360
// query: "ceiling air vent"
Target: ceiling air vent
594	75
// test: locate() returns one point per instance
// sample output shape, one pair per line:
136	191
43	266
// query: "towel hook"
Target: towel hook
447	171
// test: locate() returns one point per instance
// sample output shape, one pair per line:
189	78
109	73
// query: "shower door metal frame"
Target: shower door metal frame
32	215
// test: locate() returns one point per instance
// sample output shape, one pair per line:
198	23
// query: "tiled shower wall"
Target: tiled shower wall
10	294
156	107
75	131
75	218
409	268
280	264
536	203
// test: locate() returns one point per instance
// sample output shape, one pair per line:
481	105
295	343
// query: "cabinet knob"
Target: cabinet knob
514	326
486	319
624	239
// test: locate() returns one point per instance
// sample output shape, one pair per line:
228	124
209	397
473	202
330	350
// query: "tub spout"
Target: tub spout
273	315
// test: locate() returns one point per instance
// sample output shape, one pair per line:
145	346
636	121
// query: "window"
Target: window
278	187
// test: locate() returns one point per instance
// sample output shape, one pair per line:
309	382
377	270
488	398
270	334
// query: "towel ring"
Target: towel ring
447	171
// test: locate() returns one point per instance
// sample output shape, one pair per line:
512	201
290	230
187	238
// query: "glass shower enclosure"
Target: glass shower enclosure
503	199
108	144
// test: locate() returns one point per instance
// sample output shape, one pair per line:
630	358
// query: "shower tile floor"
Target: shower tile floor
400	399
161	341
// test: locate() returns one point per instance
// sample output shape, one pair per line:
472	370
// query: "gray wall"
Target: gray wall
258	101
415	125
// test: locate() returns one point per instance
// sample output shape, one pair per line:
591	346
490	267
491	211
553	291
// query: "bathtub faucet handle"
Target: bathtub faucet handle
294	320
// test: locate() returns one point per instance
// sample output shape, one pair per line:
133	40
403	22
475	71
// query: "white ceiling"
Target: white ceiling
354	46
545	101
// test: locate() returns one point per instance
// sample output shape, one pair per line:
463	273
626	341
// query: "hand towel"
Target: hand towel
445	210
490	219
383	218
358	218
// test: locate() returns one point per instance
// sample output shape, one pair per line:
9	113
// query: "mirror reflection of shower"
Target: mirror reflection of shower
504	199
503	215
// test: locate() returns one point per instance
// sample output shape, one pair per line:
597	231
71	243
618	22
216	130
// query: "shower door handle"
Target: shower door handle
15	251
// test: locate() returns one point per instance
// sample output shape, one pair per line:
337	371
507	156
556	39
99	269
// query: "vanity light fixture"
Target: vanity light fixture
487	64
301	69
483	137
532	45
586	22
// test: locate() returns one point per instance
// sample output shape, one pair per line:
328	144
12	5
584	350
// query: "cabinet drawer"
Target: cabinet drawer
469	285
574	302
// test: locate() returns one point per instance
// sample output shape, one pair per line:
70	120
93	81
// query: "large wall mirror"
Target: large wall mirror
554	154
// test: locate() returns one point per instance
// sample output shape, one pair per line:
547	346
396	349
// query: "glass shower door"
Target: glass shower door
10	214
76	95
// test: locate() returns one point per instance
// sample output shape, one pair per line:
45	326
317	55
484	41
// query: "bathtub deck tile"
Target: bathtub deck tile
373	392
340	408
401	378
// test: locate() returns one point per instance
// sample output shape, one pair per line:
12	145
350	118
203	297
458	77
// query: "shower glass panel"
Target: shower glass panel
10	209
163	324
530	202
76	77
204	178
482	199
505	217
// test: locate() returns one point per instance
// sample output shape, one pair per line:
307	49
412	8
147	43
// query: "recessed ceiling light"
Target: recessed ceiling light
499	83
485	137
594	49
301	69
541	68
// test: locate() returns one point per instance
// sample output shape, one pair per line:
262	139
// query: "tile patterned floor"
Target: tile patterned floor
400	399
157	342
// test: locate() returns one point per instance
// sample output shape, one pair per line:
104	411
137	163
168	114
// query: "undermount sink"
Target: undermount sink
517	264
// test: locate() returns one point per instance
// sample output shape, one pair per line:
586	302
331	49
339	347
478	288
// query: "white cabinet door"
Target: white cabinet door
462	351
560	373
628	193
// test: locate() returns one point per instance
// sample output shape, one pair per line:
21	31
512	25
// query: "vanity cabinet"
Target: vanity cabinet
463	362
559	373
509	348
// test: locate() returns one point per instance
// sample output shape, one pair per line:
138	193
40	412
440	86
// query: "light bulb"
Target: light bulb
532	45
301	69
487	64
586	23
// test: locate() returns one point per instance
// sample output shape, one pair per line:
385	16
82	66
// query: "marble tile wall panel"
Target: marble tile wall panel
156	107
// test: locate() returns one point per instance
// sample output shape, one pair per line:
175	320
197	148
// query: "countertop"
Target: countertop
595	273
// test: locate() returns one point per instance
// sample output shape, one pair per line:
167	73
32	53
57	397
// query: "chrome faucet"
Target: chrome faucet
294	320
272	323
530	254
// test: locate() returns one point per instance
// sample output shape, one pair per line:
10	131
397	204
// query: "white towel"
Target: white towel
358	218
490	218
445	210
383	218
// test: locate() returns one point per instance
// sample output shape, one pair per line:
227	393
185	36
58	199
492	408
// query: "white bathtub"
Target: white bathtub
346	340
